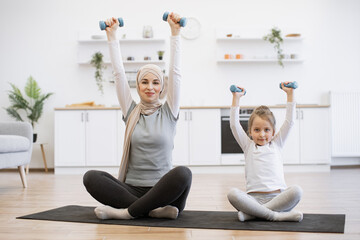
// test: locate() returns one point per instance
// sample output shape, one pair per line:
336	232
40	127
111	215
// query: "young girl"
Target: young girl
267	195
147	186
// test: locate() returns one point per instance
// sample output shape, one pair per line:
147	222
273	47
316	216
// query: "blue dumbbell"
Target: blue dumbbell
293	85
182	21
103	25
234	88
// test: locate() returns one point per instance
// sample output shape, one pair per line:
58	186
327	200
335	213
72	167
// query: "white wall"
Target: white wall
39	38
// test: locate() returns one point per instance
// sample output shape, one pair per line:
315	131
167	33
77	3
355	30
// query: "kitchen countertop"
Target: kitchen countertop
197	107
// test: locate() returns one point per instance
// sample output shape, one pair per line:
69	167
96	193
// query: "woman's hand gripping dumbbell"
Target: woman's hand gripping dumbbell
293	85
103	25
234	88
181	21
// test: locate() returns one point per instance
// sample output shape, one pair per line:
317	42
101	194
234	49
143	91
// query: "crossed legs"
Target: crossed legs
278	208
122	201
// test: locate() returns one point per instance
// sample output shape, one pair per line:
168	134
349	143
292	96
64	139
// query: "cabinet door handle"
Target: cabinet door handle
297	114
302	114
87	117
190	116
185	116
82	117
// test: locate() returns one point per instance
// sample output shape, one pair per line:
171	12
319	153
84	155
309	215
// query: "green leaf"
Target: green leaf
16	98
32	89
13	113
18	102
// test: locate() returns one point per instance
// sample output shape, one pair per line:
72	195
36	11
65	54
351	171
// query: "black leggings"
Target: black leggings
172	189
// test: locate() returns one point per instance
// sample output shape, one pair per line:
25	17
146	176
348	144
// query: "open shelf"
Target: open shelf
137	40
258	60
256	39
129	62
252	48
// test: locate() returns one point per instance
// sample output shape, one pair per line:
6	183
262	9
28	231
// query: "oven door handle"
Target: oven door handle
240	118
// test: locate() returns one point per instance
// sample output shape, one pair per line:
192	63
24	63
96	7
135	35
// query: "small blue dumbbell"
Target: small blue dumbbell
293	85
103	25
234	88
182	21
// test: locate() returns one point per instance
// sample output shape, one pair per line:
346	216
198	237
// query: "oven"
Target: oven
231	152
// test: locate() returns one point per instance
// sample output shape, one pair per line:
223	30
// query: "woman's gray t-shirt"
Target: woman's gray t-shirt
151	147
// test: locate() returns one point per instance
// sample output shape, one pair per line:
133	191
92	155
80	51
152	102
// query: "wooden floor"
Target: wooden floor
335	192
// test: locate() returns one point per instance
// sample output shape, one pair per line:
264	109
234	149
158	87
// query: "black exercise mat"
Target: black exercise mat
329	223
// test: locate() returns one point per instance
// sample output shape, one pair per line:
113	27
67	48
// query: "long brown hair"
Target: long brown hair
264	113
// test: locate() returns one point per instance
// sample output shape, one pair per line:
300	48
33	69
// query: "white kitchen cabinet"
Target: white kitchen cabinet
309	139
69	138
88	138
198	139
315	135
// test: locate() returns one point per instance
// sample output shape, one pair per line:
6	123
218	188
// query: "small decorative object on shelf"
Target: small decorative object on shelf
131	77
294	56
229	56
130	58
239	56
147	32
98	62
275	38
293	35
160	54
147	58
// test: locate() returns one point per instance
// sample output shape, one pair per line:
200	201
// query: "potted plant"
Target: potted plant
98	62
275	38
33	107
160	54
